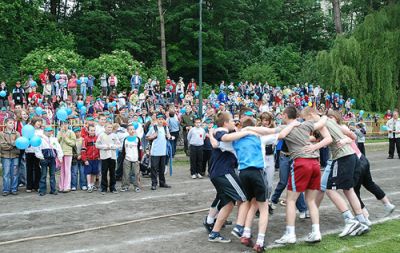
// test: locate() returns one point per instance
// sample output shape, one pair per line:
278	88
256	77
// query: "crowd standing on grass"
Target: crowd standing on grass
127	134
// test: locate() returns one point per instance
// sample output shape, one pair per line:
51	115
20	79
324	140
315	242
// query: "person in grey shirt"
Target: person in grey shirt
195	138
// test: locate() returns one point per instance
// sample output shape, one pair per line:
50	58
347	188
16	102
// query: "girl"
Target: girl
32	162
67	140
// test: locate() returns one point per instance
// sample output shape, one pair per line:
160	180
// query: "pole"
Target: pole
200	112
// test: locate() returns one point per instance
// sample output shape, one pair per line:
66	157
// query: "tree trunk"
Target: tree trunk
54	4
162	35
336	16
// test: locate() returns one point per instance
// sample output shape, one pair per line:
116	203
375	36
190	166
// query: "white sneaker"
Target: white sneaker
389	208
272	205
84	188
287	238
314	237
302	215
368	222
73	189
308	214
194	177
199	176
362	229
349	227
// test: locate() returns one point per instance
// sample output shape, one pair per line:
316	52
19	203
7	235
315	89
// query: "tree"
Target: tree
162	35
336	16
260	73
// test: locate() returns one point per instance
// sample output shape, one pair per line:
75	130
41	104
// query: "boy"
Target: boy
50	150
158	134
195	139
224	178
9	158
305	173
108	143
90	157
77	166
131	156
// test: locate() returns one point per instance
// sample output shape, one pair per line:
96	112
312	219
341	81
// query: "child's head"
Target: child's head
334	115
108	128
309	113
48	131
197	122
92	130
9	122
224	119
131	130
77	131
290	113
249	122
267	120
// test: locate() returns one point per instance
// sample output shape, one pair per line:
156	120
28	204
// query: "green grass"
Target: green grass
376	140
383	238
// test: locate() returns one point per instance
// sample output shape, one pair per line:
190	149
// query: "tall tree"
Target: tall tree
162	35
336	16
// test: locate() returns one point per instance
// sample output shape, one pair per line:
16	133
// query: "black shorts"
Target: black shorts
253	184
341	176
228	189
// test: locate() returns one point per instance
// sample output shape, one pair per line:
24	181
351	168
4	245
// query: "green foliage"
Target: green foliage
119	62
259	73
366	65
36	61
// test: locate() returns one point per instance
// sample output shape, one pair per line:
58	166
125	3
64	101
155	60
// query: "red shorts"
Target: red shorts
305	174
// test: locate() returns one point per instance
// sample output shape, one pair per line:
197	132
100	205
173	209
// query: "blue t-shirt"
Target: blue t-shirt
159	145
249	153
222	163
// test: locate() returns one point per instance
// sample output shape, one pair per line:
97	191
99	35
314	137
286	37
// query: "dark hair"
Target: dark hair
291	112
222	117
249	122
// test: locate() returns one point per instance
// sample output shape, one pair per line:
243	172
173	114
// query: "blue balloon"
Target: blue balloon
79	104
182	96
57	76
38	111
337	95
62	114
28	131
22	143
3	93
109	105
83	109
35	141
384	128
85	79
361	113
114	103
183	110
353	101
69	111
216	106
131	138
192	88
196	93
135	125
78	82
33	83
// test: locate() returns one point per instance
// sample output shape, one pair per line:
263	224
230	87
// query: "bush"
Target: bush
259	73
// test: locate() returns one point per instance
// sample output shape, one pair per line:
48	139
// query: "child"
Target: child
131	157
360	132
77	166
9	157
67	140
207	149
90	157
195	139
108	143
50	150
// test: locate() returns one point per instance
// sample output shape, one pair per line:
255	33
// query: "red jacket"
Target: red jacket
89	150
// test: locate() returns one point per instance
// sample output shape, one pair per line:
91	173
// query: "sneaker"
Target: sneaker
258	248
216	237
103	192
90	189
153	187
21	185
194	177
368	222
14	193
390	157
5	194
362	229
272	205
287	239
199	176
42	194
246	241
349	227
28	191
208	227
84	188
137	189
270	210
389	208
114	191
308	214
237	232
73	189
123	189
54	193
165	186
94	188
313	237
302	215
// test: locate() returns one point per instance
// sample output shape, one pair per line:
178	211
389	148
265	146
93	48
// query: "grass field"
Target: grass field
383	238
376	140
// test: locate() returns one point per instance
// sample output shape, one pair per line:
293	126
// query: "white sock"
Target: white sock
210	220
290	230
361	218
347	215
315	228
260	239
247	232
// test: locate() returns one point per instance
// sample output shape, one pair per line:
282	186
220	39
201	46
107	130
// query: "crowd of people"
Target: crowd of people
125	134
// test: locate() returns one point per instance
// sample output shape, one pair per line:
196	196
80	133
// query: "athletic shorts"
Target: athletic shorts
340	173
92	168
228	189
253	184
305	174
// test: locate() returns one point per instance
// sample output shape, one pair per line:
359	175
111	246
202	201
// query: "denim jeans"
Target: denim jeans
83	91
284	169
22	169
10	174
50	165
75	169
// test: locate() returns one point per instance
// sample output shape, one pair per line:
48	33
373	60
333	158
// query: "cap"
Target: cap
89	118
208	121
249	113
48	129
76	129
160	115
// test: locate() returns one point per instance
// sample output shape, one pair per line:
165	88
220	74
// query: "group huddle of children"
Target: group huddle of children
247	148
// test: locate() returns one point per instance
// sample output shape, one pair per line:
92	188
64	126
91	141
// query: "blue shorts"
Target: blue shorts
92	168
